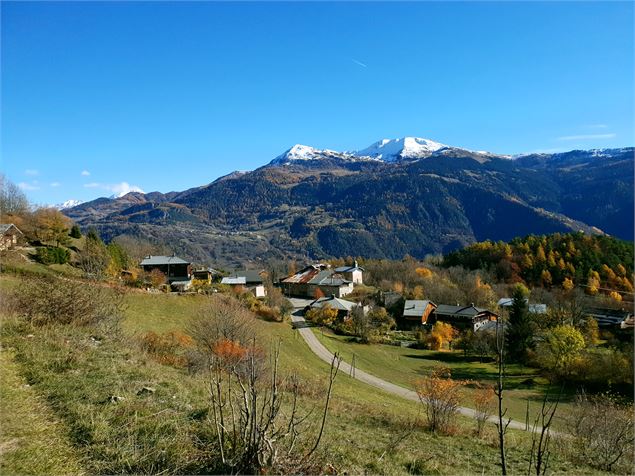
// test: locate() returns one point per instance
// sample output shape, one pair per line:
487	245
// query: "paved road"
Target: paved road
323	353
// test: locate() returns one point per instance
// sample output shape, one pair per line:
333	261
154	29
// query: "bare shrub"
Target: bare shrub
253	434
221	317
47	300
484	406
440	395
169	348
602	431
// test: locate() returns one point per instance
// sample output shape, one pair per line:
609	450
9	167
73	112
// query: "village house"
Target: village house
205	274
417	312
11	235
343	307
462	317
607	318
251	281
507	302
309	280
177	271
352	273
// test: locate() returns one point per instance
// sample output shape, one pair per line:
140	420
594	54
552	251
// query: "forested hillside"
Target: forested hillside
600	263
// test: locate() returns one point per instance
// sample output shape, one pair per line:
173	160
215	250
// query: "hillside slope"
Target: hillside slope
325	203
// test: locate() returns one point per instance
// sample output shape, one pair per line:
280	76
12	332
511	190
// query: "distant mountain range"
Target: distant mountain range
402	196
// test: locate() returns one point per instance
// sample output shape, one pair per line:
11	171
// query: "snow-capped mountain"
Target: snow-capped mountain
405	149
301	152
393	150
68	204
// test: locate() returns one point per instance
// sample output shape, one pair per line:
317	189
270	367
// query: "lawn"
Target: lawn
404	366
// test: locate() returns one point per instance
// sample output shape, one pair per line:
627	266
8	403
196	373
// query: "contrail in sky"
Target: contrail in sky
359	63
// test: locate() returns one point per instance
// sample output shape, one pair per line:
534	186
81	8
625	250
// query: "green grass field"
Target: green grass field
162	432
404	366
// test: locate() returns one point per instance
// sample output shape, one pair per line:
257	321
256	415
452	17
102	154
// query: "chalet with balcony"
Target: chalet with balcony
175	269
463	317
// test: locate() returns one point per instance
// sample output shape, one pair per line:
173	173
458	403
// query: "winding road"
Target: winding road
323	353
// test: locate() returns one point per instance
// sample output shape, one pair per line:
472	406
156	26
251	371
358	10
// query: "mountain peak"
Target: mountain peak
392	150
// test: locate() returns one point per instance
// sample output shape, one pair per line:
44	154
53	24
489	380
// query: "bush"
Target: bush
440	395
75	232
45	300
602	431
168	348
52	255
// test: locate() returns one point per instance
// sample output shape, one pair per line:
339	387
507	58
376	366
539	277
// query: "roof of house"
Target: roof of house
328	278
304	275
334	303
162	260
416	308
349	269
533	308
234	280
4	227
460	311
206	270
317	274
250	276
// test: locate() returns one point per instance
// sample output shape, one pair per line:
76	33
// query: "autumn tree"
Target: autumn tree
322	316
560	349
441	333
51	226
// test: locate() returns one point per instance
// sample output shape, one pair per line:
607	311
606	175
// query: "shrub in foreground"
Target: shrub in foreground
49	300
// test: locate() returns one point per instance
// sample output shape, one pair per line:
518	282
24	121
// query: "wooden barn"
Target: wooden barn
417	312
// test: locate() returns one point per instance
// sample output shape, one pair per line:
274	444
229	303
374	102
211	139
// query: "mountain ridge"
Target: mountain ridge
328	203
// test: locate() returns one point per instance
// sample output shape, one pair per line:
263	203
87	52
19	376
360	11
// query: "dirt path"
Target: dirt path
323	353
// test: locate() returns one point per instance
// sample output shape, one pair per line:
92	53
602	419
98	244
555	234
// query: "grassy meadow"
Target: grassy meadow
86	382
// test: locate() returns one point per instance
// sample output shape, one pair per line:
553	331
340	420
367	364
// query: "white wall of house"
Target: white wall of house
259	291
356	276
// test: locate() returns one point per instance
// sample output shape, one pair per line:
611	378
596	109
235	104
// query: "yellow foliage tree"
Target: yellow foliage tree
424	272
615	296
442	332
567	284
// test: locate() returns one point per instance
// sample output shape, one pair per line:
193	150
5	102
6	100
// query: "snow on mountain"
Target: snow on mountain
68	204
301	152
392	150
385	150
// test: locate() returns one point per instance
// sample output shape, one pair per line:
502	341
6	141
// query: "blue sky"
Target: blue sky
97	97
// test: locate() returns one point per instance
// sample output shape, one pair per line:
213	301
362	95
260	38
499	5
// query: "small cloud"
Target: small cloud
31	172
85	173
123	188
596	126
117	189
55	184
588	137
28	186
359	63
